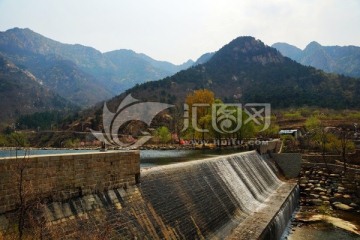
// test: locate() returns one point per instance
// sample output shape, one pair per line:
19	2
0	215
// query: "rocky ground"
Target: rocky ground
330	196
332	189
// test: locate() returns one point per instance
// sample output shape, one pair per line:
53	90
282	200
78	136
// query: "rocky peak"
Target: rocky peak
248	50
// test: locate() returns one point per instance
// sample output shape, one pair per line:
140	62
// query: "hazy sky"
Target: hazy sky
178	30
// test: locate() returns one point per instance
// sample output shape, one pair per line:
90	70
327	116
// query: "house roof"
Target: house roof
288	131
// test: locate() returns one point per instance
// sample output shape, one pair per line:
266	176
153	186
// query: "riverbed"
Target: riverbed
319	231
337	225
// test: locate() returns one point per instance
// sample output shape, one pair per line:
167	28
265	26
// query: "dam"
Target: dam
105	196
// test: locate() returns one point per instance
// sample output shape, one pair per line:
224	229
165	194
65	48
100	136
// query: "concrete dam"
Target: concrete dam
238	196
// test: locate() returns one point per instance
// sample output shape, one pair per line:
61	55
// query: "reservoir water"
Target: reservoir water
148	158
21	153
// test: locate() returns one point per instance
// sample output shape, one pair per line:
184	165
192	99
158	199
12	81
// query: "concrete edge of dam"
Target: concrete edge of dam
263	224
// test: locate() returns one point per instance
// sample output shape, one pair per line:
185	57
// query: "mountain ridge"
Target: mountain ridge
22	93
91	71
332	59
247	70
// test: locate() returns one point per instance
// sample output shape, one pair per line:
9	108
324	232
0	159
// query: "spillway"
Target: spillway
211	198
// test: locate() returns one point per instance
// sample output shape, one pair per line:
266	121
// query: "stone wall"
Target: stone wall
60	177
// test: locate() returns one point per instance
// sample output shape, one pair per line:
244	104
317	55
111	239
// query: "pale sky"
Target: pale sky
176	31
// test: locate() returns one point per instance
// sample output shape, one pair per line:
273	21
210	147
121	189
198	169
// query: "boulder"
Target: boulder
316	202
314	195
325	198
342	206
340	189
303	181
319	189
338	195
354	205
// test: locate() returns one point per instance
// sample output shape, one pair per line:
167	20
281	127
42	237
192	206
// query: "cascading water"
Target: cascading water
214	196
251	180
277	226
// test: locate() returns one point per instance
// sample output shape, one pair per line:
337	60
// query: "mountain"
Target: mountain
50	62
288	50
25	40
22	93
204	58
248	71
78	73
63	77
166	66
134	68
333	59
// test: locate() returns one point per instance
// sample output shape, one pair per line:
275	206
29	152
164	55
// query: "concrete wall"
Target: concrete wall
289	163
272	146
60	177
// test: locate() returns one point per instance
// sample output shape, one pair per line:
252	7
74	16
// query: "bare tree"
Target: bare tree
345	145
178	120
323	136
317	133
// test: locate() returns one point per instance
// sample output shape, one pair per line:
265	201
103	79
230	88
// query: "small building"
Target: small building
294	132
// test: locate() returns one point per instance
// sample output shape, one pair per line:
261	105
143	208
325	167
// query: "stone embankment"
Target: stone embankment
330	188
64	176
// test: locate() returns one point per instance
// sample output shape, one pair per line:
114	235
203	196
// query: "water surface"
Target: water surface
148	158
21	153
